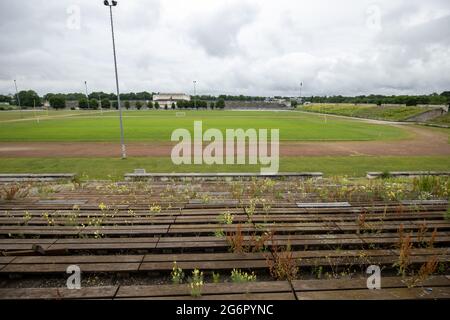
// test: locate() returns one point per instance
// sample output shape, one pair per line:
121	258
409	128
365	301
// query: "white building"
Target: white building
166	99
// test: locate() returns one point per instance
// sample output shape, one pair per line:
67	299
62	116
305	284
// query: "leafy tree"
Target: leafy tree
93	103
106	104
165	107
156	105
150	105
220	104
83	103
173	105
212	105
28	99
4	98
127	104
411	101
57	101
138	105
115	105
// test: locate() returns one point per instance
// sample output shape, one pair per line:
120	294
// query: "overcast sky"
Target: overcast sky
253	47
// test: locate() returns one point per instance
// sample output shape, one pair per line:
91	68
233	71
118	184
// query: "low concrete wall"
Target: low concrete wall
410	174
141	176
18	177
427	115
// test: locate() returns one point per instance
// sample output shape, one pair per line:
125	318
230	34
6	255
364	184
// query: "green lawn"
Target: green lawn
41	114
445	119
158	126
370	111
101	168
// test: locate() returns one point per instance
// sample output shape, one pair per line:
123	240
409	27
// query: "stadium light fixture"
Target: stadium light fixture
18	98
195	93
87	96
122	142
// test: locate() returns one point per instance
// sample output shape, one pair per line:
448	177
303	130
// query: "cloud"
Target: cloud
258	47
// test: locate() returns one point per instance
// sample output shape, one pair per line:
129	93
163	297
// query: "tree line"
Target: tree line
29	99
409	100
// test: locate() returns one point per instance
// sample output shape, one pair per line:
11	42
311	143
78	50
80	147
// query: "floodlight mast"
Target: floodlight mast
301	85
87	96
195	93
18	98
122	142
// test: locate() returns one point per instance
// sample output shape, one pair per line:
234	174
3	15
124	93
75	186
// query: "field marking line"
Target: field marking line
53	117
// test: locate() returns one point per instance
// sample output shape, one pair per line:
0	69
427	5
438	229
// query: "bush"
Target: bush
150	105
411	101
173	105
127	105
93	103
212	105
106	104
138	105
220	104
156	105
83	103
115	105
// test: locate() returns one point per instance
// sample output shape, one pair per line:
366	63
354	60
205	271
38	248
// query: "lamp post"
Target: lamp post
100	104
87	96
301	85
18	98
113	4
195	99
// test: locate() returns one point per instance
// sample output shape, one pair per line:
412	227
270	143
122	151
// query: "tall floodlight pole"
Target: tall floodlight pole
87	96
113	4
195	93
100	104
18	98
301	85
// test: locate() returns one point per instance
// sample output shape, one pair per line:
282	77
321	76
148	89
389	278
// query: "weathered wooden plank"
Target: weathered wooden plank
106	292
62	267
169	290
78	259
361	283
382	294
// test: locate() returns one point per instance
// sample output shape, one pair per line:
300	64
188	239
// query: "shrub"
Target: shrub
106	104
238	276
220	104
177	274
150	105
196	283
156	105
127	105
138	105
93	103
83	103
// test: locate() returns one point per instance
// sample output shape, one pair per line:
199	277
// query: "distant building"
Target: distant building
166	99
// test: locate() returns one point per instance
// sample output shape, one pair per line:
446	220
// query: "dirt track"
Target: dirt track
424	142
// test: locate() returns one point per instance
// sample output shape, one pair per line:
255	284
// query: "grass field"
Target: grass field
369	112
445	119
105	168
158	126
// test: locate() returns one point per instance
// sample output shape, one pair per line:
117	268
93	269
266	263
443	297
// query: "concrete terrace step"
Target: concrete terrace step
19	177
377	174
140	174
